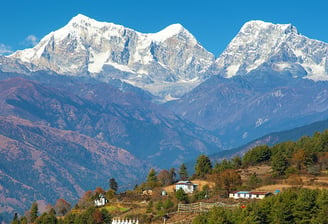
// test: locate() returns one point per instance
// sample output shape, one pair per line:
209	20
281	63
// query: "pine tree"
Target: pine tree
203	166
183	173
34	211
15	219
152	180
152	176
113	184
173	175
279	164
181	196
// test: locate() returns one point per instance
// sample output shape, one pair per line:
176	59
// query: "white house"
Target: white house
186	186
101	201
248	194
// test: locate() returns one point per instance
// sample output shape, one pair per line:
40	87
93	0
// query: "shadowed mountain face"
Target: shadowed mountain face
108	114
272	139
241	109
72	138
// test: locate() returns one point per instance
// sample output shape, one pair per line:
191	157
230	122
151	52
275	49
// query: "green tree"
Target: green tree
279	164
236	162
203	166
183	173
181	196
107	218
215	216
23	220
150	207
282	207
152	176
113	184
51	217
34	211
173	175
69	218
305	206
15	219
152	180
257	155
159	205
47	218
222	166
322	208
167	204
255	214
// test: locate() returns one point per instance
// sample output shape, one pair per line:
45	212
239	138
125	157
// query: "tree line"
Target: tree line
295	205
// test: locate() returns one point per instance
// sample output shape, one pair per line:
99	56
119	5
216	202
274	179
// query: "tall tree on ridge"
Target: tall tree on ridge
183	173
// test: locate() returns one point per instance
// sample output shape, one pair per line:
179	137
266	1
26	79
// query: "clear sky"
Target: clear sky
213	22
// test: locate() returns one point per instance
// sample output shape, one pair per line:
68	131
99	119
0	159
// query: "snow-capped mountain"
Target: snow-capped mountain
157	62
171	62
277	47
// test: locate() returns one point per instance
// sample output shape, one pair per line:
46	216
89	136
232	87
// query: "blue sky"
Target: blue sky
213	22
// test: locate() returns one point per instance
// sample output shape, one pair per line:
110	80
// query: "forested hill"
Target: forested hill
291	206
308	155
275	138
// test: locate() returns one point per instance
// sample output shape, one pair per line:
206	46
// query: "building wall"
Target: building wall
185	188
246	195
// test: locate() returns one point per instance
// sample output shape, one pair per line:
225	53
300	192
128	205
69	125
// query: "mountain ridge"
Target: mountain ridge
171	62
49	167
277	46
98	49
243	108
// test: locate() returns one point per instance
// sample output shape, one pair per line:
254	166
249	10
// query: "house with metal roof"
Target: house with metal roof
186	186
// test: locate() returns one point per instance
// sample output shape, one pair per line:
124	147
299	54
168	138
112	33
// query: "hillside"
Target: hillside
44	164
244	108
275	138
107	113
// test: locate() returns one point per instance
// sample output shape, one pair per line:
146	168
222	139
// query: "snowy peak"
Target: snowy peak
85	21
274	47
171	62
259	26
80	19
170	31
167	63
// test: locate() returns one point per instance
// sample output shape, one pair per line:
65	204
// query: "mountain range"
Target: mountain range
95	100
167	63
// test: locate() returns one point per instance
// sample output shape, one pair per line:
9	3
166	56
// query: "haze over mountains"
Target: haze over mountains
92	90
